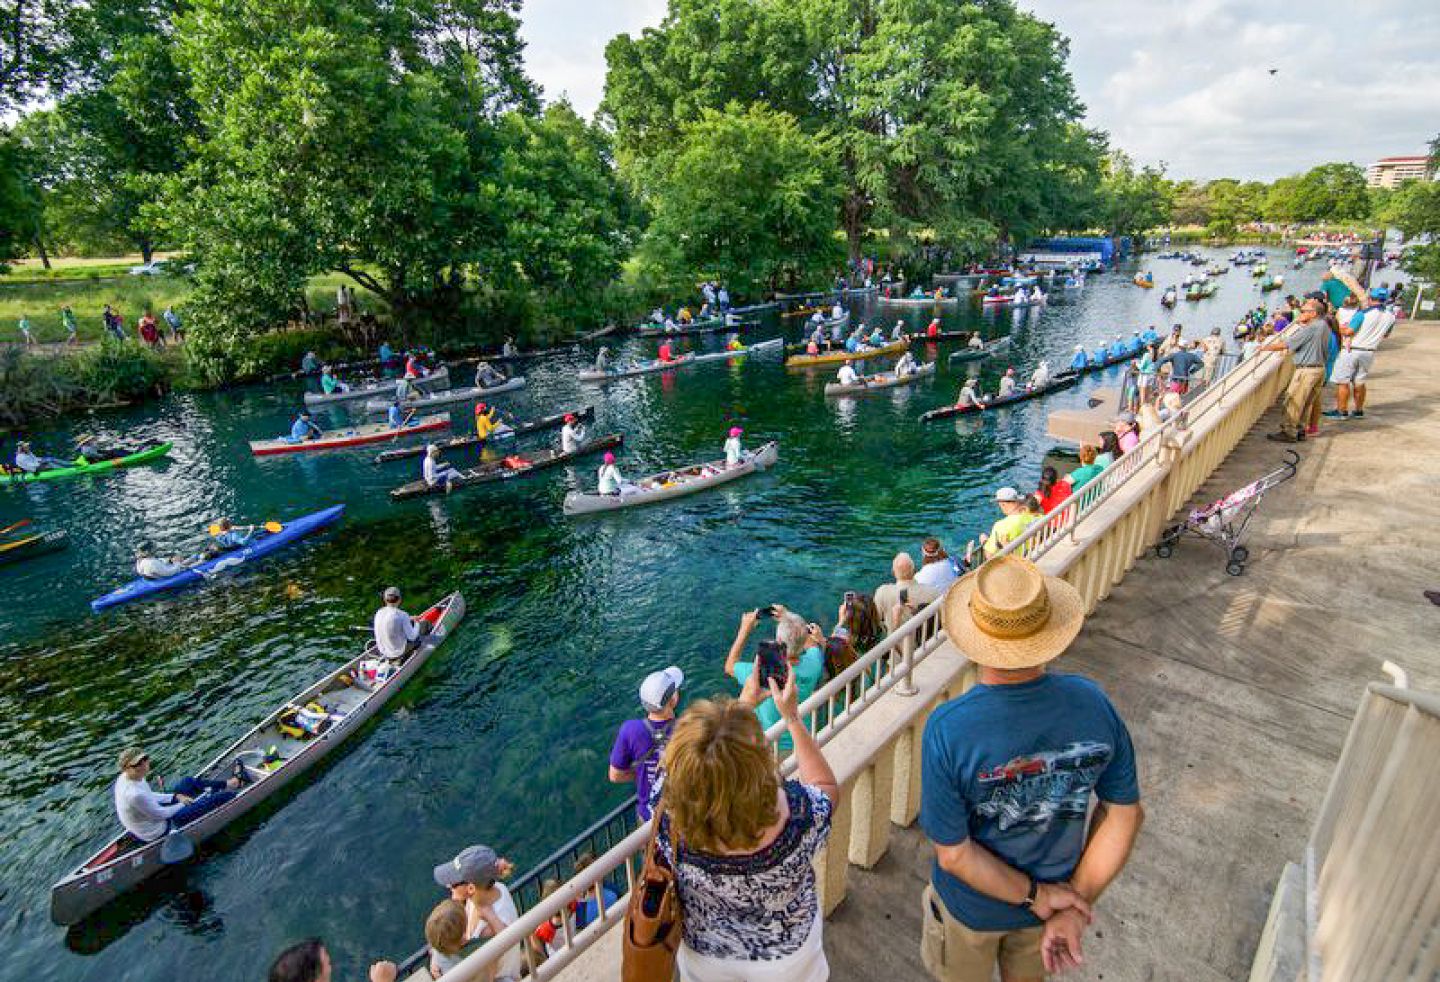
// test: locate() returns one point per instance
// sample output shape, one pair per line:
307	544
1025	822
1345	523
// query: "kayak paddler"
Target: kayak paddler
304	428
31	463
436	472
665	355
413	367
398	418
968	396
572	434
485	422
609	477
734	452
309	364
933	330
90	449
329	384
227	538
152	567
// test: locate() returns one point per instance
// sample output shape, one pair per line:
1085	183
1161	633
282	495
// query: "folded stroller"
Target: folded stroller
1224	522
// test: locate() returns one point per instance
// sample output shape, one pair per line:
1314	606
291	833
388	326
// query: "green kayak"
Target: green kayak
140	457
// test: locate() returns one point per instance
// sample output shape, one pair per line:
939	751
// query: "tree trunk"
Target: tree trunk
853	214
147	249
40	248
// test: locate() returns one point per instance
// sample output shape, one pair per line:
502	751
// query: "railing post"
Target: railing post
870	809
832	863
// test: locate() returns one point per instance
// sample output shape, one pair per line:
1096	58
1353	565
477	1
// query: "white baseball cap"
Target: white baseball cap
1007	494
659	687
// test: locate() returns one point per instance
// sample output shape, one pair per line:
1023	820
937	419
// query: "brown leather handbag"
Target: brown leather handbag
653	918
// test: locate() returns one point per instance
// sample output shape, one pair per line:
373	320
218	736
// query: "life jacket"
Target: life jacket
303	722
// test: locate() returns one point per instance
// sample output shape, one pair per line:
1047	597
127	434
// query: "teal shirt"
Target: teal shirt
808	671
1335	291
1080	476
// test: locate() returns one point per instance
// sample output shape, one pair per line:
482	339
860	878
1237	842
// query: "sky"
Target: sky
1186	83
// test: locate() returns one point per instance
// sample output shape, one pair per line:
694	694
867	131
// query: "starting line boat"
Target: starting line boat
672	484
100	466
351	436
262	545
290	742
511	467
1062	381
503	433
880	381
447	396
839	357
438	379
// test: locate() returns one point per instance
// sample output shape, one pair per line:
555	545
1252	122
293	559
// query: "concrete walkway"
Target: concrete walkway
1238	690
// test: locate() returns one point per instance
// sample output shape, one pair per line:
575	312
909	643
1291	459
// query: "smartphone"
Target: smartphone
764	613
773	664
904	596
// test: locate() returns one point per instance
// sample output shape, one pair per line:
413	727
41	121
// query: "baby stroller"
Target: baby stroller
1224	522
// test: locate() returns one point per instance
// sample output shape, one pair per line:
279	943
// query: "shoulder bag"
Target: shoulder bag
653	918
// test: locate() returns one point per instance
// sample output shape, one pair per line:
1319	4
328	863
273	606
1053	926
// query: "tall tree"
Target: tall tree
1132	199
749	199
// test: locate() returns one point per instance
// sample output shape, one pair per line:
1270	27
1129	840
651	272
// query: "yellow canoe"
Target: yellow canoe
837	357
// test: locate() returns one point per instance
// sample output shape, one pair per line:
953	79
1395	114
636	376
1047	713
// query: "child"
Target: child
445	933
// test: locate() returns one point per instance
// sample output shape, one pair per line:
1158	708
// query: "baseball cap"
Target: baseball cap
1379	293
658	688
392	593
1126	417
479	865
131	756
736	431
1007	494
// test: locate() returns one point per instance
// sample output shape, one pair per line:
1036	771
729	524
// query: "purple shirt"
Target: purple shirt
639	746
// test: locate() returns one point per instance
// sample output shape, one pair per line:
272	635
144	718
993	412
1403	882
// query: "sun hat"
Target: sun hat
736	431
1009	615
131	756
1007	494
479	865
659	687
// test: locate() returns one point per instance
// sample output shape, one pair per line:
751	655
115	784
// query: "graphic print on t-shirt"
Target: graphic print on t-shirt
1036	788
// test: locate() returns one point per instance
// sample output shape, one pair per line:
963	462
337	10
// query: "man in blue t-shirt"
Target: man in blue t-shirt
1007	772
641	742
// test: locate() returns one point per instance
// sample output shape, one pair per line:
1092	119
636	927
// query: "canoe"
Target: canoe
763	346
262	545
919	301
504	433
673	484
706	326
519	356
804	297
99	467
363	365
508	469
643	368
351	436
446	396
938	338
880	381
30	546
755	308
438	379
1062	381
859	291
838	357
827	327
124	862
977	354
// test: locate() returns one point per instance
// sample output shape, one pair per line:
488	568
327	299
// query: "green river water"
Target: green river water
503	737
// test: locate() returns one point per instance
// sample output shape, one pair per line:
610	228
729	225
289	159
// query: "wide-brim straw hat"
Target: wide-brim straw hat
1009	615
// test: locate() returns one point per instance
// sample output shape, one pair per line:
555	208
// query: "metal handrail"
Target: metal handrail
836	704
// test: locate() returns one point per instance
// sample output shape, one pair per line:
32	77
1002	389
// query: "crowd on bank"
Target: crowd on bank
1018	867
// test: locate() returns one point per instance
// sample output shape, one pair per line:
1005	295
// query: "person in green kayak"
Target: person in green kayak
90	449
329	384
29	462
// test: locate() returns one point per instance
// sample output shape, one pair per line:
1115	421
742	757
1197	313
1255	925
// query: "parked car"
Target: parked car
155	267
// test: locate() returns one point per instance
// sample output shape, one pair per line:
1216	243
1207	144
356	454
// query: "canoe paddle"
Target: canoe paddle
271	527
10	528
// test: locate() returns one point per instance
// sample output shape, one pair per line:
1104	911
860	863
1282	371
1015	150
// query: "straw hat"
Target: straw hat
1008	614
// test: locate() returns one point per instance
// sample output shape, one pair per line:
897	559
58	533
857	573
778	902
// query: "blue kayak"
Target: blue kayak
262	545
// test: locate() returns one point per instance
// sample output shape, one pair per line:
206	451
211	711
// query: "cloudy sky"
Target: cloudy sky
1186	83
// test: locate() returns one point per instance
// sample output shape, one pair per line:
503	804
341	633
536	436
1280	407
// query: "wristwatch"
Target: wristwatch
1029	900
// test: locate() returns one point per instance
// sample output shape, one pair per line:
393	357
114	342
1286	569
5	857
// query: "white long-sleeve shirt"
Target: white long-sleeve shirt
155	568
847	376
143	812
610	479
733	451
393	631
571	436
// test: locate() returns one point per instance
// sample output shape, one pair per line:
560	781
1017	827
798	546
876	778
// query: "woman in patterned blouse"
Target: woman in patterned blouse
746	841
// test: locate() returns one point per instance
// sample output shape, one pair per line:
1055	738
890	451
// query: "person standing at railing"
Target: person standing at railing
1013	520
742	841
906	591
1007	773
1305	340
473	879
640	743
803	648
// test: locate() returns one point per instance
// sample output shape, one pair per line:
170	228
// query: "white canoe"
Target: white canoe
672	484
878	381
919	301
448	396
644	368
438	379
125	862
763	346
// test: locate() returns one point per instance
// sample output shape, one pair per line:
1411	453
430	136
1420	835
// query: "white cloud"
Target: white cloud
565	43
1189	83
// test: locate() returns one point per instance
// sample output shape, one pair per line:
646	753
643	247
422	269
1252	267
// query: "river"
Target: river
503	737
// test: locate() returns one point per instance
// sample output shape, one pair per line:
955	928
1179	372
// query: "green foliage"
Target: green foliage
1415	211
1327	193
1132	200
103	374
749	199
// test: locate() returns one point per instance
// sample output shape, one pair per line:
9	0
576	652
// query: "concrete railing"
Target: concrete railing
871	717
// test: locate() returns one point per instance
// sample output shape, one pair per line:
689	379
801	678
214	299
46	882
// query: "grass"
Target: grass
41	300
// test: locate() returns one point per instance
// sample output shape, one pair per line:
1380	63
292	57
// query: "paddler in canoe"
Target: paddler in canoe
897	333
1007	384
329	384
152	567
847	374
309	364
487	376
906	365
734	344
149	815
602	359
666	356
1040	377
975	342
1081	361
414	367
398	418
303	429
968	396
486	422
572	434
436	472
877	337
735	453
608	477
508	349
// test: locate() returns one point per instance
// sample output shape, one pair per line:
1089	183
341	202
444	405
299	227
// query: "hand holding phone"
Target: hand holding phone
773	663
764	613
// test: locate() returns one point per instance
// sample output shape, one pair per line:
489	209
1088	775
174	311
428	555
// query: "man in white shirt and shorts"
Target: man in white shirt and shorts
1359	339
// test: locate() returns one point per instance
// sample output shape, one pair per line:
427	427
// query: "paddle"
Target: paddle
270	526
10	528
176	848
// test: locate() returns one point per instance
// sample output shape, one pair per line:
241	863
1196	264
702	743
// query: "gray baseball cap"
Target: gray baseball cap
479	865
392	593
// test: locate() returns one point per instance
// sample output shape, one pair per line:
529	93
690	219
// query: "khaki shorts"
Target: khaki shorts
953	952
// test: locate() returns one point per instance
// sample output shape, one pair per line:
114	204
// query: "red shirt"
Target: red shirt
933	329
1057	494
665	354
412	368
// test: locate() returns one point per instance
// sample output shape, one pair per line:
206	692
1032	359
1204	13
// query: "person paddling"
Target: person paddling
148	814
152	567
436	472
933	330
487	376
397	634
227	538
304	428
1007	384
485	421
572	434
609	477
734	452
29	462
968	397
602	360
848	375
329	384
666	355
398	418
